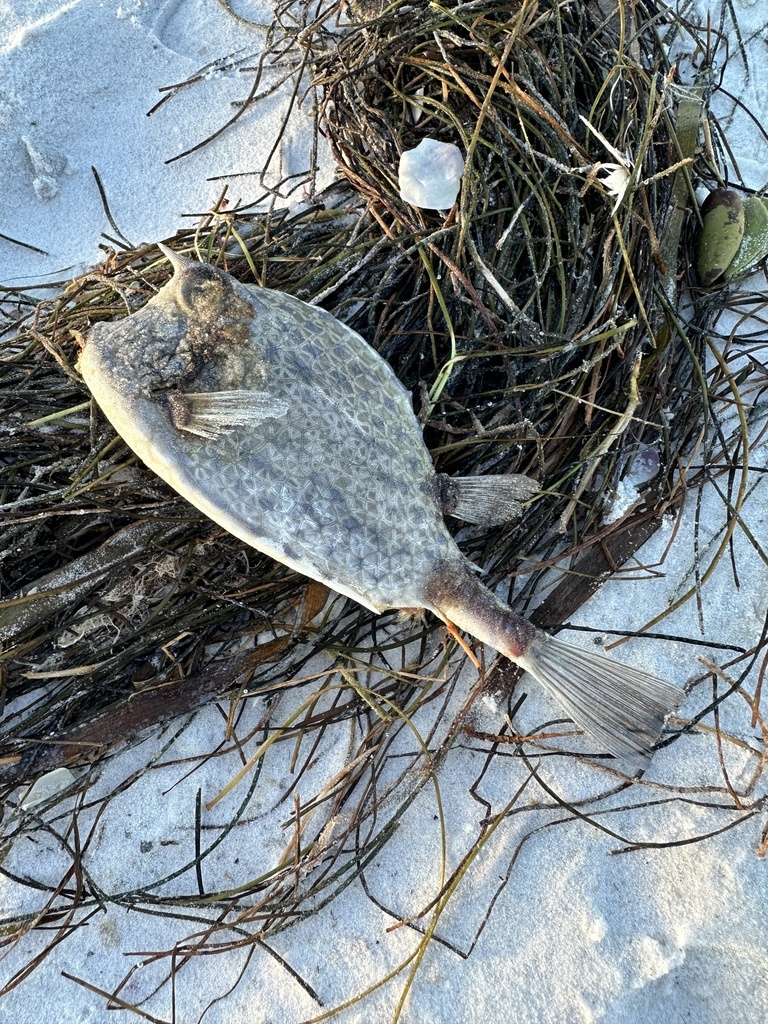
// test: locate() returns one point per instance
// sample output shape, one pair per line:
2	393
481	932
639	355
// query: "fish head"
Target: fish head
190	336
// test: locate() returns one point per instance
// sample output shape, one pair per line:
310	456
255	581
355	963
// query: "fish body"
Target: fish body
286	428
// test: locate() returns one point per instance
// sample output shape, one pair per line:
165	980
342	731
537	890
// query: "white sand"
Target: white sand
579	932
77	81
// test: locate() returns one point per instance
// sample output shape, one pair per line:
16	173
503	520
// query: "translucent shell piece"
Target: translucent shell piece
429	176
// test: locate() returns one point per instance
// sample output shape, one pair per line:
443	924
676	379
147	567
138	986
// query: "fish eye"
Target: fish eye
199	287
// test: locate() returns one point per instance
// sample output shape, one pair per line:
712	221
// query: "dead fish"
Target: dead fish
284	426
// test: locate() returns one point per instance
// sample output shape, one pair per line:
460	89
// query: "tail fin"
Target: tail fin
621	707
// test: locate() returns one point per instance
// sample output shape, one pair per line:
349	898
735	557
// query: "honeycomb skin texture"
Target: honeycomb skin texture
337	483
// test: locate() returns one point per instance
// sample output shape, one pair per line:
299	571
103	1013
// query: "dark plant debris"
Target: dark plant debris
545	325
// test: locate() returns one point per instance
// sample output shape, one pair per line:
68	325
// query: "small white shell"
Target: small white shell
46	787
429	176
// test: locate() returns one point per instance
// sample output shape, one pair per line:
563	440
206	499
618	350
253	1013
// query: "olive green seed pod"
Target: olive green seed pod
754	244
722	230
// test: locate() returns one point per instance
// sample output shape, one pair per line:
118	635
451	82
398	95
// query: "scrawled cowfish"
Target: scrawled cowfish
285	427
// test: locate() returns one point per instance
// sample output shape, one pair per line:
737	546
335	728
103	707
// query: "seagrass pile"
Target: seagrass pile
545	325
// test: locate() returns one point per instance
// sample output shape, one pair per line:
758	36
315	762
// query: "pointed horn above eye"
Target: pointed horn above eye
177	262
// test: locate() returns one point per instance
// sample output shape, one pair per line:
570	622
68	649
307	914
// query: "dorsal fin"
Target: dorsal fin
490	500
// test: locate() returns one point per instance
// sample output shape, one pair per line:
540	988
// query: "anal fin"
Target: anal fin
486	500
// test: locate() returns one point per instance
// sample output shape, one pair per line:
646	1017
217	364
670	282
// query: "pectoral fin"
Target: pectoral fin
490	500
212	413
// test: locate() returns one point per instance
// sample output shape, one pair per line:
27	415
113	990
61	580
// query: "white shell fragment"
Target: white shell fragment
430	175
47	786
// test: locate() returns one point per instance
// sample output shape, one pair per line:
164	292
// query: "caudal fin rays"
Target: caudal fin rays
622	708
